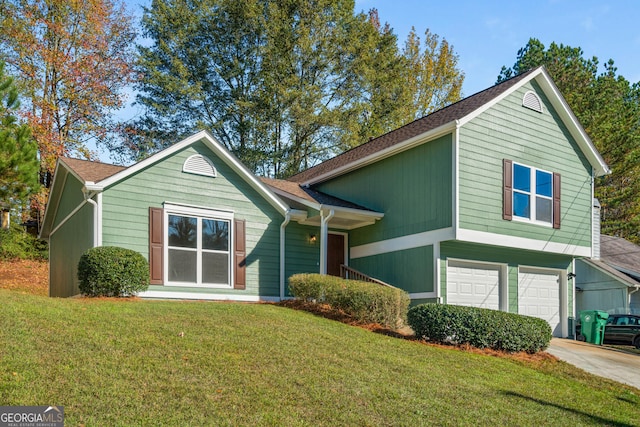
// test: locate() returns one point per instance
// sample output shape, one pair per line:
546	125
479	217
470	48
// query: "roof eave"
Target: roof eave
379	155
217	148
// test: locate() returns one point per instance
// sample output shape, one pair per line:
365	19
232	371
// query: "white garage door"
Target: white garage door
539	296
475	285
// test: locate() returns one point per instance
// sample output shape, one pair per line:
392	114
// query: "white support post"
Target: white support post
324	235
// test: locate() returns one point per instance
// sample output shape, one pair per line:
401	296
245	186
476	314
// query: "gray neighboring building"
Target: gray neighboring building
610	280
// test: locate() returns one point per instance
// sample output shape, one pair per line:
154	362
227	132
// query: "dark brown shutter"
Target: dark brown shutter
156	241
240	261
507	190
556	200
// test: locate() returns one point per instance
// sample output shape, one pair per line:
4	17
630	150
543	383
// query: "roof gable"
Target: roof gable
446	120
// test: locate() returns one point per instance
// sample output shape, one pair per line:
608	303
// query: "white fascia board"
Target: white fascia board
621	279
351	213
574	126
379	155
217	148
308	203
493	239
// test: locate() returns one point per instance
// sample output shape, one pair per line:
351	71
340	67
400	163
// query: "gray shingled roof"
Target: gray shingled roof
434	120
621	254
308	194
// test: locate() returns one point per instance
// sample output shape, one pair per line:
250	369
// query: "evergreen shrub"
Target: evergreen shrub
365	302
479	327
113	272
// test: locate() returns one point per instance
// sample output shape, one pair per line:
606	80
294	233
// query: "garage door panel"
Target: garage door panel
539	296
473	285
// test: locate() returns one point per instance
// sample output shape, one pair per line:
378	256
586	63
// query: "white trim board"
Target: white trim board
473	236
207	297
402	243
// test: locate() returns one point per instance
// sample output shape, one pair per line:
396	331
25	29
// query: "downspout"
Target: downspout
88	198
287	218
324	235
629	301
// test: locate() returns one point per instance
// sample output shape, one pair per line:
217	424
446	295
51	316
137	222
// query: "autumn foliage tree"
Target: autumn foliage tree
73	59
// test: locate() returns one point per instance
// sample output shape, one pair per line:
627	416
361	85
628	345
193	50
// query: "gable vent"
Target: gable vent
532	101
199	165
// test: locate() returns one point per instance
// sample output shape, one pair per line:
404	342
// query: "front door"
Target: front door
335	253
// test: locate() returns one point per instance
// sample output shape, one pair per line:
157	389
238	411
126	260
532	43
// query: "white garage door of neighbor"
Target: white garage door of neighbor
475	285
539	296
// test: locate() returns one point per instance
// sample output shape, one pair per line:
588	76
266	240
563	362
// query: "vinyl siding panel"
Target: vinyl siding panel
301	256
540	140
413	189
66	246
125	214
411	269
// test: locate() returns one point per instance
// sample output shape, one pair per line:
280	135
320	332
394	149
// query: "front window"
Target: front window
532	194
198	250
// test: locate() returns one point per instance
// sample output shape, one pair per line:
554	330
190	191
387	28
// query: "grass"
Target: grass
137	363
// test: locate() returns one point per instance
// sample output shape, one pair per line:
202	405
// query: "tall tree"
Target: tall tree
282	84
608	107
73	59
18	150
433	75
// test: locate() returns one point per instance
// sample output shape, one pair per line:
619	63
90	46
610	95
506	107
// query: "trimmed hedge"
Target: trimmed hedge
479	327
366	302
113	272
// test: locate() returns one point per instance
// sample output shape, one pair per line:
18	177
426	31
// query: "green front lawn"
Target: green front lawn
130	363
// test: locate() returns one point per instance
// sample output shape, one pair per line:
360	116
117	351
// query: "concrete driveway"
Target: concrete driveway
605	362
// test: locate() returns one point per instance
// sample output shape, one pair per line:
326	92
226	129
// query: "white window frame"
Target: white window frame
199	213
532	196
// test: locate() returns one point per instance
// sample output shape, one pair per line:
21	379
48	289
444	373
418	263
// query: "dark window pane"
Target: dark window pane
215	268
183	231
215	235
543	209
543	183
182	265
521	178
521	205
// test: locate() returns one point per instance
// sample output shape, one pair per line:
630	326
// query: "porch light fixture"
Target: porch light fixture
571	275
312	238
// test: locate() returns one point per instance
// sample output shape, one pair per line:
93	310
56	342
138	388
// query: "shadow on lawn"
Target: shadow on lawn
594	418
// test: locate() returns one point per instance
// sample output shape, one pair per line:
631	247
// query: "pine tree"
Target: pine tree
19	164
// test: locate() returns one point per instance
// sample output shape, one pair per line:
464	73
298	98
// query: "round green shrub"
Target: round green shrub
113	272
479	327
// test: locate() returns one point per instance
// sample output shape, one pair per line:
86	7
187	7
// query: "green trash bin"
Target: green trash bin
592	325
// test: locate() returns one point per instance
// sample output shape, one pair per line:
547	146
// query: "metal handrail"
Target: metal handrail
353	274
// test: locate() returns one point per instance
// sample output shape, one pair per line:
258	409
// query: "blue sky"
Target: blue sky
487	34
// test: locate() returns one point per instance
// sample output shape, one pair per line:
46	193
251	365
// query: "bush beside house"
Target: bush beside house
479	327
366	302
113	272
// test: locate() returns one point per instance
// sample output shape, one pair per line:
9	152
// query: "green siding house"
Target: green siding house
487	202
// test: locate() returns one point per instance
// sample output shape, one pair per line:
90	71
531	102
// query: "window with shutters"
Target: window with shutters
532	194
198	247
